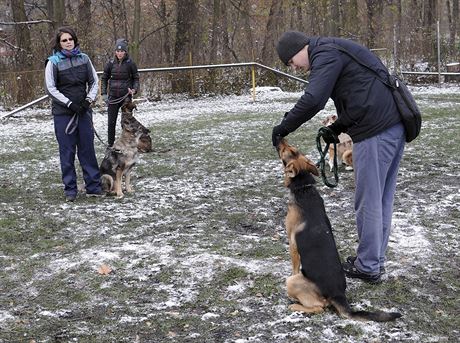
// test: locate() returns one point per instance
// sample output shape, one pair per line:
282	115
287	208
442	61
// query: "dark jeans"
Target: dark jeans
112	110
80	142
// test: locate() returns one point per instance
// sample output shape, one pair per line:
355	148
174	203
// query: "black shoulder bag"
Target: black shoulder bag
405	102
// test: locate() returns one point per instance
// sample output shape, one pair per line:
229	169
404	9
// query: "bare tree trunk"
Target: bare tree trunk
58	12
215	29
349	14
268	49
50	11
430	12
84	27
185	30
300	18
109	8
374	12
248	43
226	50
452	14
165	35
335	18
134	46
398	23
22	59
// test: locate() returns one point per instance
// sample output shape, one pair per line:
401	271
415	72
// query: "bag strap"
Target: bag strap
357	60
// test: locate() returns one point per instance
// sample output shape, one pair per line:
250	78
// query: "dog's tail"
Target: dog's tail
343	308
106	182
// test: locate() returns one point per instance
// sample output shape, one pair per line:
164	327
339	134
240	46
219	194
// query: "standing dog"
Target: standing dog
321	280
344	148
121	158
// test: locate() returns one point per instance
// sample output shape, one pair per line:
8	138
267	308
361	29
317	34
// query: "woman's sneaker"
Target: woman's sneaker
70	197
100	194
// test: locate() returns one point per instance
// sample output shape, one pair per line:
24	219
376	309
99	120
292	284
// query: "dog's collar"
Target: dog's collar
301	187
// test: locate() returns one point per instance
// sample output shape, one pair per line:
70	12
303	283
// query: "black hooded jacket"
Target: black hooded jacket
119	76
365	106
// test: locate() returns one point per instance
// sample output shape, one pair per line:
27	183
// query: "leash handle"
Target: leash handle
322	162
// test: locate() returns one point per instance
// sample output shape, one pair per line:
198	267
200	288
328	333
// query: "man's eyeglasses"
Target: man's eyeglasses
66	40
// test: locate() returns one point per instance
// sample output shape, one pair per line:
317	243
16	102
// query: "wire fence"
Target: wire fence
17	88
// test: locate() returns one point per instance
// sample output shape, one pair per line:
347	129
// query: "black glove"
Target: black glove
85	104
74	108
329	136
279	131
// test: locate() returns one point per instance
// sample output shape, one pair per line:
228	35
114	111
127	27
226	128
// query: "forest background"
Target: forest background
164	33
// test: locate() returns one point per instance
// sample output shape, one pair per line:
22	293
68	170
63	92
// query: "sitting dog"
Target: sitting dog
318	279
344	148
121	158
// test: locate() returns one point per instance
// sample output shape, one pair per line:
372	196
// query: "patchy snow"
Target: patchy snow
409	241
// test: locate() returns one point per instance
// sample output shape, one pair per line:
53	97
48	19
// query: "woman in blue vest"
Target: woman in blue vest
72	84
120	79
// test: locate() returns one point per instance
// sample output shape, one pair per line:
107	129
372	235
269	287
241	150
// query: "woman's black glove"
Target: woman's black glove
85	104
75	108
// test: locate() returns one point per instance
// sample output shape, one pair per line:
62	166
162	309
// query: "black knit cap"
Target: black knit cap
290	43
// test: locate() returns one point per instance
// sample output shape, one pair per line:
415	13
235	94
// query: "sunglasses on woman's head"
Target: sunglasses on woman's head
66	40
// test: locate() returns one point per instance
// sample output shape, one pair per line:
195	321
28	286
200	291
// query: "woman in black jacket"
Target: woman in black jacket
367	112
122	79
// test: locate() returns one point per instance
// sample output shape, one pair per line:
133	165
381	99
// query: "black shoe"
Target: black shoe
353	272
351	259
70	198
100	194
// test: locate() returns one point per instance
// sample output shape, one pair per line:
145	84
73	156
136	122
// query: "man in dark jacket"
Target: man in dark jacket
367	112
122	78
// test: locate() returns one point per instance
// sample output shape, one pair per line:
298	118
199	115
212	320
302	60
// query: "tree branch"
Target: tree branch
27	22
11	46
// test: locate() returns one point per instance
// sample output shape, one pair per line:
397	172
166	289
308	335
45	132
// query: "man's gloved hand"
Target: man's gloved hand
74	108
105	98
329	136
278	133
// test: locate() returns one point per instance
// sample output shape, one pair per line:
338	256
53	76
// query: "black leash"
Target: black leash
118	100
322	162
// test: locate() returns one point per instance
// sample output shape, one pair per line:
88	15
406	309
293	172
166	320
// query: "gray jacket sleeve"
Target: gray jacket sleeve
50	85
93	82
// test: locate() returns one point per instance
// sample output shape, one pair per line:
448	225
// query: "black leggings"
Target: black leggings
112	109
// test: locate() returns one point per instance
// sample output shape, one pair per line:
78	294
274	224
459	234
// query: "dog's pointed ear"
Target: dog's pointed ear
311	167
291	169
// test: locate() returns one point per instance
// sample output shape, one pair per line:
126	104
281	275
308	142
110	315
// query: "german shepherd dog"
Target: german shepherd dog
121	158
320	281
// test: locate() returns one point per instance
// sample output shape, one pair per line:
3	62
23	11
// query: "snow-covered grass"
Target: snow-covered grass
199	253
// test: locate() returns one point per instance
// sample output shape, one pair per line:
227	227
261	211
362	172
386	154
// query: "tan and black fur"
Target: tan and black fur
121	158
317	278
344	148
